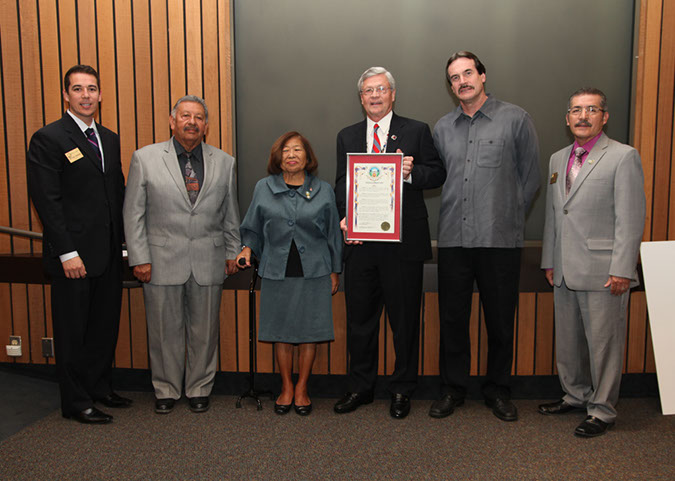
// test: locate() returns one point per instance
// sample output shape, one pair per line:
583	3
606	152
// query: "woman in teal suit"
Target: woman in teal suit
292	227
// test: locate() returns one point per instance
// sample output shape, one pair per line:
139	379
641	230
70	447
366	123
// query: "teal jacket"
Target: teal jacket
278	215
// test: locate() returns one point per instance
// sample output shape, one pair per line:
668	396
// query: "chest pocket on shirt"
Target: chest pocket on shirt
490	153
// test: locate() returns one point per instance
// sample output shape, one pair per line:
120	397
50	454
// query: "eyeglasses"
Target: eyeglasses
380	89
590	110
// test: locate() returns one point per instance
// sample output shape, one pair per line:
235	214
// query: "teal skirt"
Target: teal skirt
296	310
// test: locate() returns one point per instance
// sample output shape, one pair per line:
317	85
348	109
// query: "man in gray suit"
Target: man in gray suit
595	214
181	221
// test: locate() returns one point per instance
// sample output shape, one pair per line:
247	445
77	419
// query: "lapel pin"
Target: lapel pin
393	137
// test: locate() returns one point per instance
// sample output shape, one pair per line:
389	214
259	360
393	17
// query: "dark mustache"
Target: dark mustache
583	123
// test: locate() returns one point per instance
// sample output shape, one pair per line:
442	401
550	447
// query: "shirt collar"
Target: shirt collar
487	109
383	123
196	152
83	127
588	146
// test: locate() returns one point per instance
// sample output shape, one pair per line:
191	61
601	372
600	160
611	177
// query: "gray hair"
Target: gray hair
589	91
371	72
191	98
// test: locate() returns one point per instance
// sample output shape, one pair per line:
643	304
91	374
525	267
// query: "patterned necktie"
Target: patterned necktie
574	170
377	147
191	181
93	141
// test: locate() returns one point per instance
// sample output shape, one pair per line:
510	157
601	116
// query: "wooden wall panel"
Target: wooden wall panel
36	322
338	349
15	145
6	324
430	331
545	336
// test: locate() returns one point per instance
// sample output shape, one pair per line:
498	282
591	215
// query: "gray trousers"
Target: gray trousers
590	330
183	324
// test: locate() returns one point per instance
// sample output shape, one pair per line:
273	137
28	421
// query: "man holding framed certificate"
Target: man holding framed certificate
385	221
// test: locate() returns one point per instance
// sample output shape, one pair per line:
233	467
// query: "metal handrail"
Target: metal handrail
20	232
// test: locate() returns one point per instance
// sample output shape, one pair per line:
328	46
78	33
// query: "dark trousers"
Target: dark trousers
85	316
497	273
375	276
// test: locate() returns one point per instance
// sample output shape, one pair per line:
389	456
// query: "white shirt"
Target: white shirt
382	131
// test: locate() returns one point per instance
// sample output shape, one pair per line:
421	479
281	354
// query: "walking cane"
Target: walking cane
252	358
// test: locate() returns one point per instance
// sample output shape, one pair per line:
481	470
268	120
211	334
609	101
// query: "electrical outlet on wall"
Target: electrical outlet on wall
47	347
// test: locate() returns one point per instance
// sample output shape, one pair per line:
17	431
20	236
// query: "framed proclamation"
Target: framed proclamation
374	197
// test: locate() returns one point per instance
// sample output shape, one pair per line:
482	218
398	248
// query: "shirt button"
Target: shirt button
468	160
291	193
290	222
466	180
565	212
471	141
301	250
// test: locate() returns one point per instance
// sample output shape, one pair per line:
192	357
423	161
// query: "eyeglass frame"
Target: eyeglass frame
380	89
580	109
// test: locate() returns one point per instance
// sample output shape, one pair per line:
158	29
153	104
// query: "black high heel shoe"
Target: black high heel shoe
303	410
282	408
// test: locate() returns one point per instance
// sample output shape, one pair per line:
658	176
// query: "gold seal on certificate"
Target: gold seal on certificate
374	197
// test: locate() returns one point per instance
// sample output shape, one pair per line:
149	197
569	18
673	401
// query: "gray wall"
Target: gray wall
297	63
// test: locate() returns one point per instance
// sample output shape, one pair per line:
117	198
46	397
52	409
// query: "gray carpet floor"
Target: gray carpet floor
230	443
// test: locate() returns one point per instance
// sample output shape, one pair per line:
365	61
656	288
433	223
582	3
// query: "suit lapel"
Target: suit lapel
171	162
561	165
594	157
360	139
209	168
81	141
396	127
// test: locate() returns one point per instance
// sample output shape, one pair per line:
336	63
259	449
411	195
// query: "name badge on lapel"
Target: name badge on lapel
74	155
554	178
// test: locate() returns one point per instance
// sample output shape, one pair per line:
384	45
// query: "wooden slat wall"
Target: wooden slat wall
150	53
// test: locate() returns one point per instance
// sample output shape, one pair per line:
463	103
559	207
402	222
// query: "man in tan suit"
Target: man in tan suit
181	221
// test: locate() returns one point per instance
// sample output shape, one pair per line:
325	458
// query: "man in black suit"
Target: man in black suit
386	274
77	189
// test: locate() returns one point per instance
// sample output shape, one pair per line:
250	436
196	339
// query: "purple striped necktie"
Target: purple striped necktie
93	141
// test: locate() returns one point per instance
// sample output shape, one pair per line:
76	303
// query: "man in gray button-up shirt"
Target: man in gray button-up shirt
491	155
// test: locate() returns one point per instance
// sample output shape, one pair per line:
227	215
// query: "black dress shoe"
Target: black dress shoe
400	406
199	404
114	400
282	408
445	406
351	401
303	410
90	416
592	427
164	405
558	407
504	409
